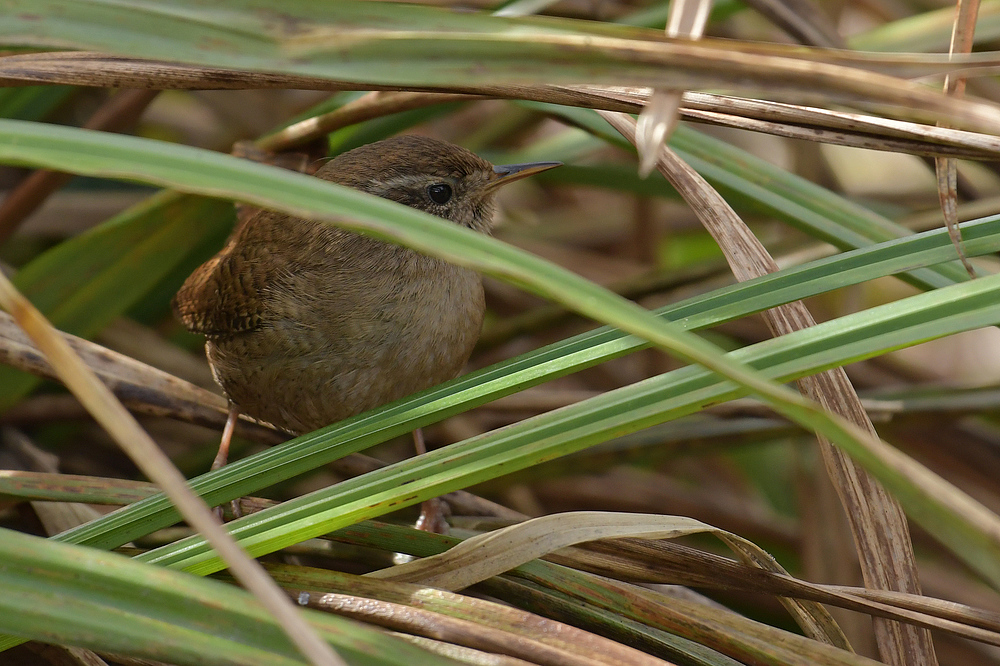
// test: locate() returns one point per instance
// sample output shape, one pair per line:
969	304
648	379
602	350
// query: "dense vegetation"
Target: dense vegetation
665	448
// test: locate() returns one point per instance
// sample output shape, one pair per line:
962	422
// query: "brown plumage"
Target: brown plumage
307	324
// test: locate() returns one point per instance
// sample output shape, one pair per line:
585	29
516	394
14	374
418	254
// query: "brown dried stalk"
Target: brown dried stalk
877	521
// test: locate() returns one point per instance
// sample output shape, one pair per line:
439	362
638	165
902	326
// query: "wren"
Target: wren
308	324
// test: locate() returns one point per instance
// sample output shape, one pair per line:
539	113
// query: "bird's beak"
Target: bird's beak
508	173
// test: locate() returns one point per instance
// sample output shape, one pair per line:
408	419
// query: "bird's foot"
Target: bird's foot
433	516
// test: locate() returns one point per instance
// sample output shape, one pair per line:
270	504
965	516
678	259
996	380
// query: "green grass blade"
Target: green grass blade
208	173
32	102
927	31
244	477
203	172
653	401
112	603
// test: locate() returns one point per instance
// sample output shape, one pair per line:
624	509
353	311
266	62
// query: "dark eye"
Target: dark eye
439	193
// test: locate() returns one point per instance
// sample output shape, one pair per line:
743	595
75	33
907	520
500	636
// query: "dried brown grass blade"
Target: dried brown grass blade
100	70
837	127
373	105
877	522
17	452
718	628
630	560
946	172
638	561
946	169
656	122
687	20
789	120
143	388
492	553
403	617
499	624
802	76
148	390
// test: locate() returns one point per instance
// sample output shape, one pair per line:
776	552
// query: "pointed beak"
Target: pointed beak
508	173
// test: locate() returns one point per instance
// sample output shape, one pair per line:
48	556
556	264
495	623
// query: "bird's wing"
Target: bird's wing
219	299
224	295
267	273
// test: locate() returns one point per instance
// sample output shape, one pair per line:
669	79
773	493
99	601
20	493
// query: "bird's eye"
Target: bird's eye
439	193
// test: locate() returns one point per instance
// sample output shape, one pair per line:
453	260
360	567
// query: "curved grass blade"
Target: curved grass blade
492	553
305	453
731	634
203	172
927	499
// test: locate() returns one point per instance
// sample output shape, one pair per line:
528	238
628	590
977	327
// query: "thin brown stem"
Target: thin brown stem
877	521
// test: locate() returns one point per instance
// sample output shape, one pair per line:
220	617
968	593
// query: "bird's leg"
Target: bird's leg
222	457
432	511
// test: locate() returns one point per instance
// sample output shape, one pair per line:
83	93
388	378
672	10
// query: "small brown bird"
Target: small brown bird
307	324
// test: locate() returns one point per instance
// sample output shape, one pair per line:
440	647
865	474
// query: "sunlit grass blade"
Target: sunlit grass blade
247	476
560	432
209	173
